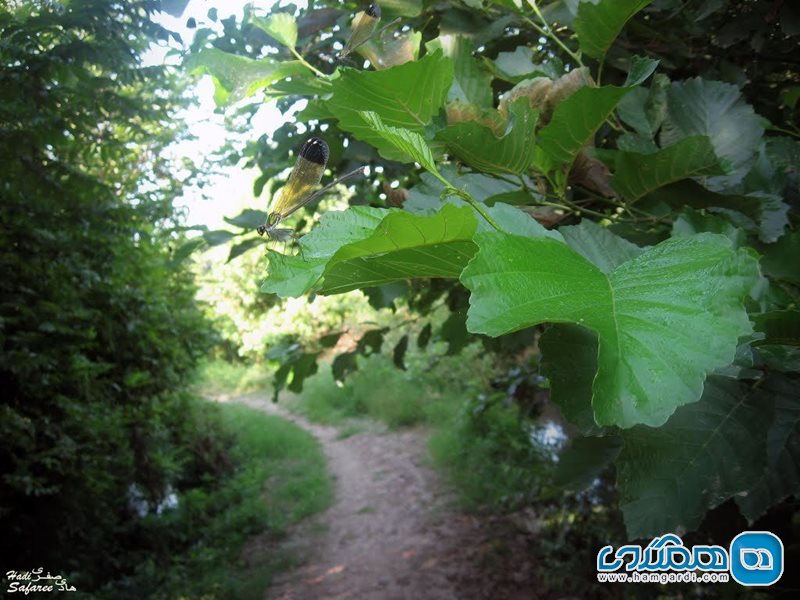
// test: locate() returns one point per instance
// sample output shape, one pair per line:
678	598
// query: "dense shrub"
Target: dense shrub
98	324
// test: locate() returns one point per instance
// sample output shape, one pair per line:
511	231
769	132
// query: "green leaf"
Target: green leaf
406	96
781	260
518	65
637	175
330	340
371	342
404	246
781	478
424	337
471	83
295	370
337	228
187	249
248	219
707	452
574	123
584	460
424	198
384	296
242	247
640	69
664	319
218	237
717	110
763	214
280	26
410	144
569	361
399	353
291	276
454	332
343	365
479	147
691	222
239	76
598	25
598	245
779	327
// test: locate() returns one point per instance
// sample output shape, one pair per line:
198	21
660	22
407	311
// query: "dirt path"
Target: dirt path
391	533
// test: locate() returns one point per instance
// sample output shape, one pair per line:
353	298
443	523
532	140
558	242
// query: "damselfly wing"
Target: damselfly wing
364	26
299	189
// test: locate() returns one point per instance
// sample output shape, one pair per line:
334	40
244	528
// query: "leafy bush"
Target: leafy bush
490	455
196	549
99	328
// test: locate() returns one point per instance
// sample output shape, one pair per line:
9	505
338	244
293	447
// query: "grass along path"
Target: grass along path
392	531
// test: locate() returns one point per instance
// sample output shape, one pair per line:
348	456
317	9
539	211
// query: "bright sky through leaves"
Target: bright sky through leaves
231	189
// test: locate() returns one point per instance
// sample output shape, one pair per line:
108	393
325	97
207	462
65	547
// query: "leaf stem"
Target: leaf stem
299	57
786	131
547	31
451	190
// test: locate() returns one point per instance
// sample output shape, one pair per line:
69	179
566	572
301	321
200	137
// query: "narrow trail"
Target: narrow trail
392	531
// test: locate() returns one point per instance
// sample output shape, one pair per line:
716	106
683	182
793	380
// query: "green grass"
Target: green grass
216	377
487	455
280	478
378	390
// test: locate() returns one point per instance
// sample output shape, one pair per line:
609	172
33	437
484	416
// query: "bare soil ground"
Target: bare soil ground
393	531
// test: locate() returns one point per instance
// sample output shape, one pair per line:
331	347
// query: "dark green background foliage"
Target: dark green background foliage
98	326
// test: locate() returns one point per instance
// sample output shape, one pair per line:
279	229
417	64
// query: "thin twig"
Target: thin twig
299	57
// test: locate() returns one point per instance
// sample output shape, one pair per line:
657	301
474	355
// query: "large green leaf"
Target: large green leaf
780	260
479	147
280	26
691	222
569	361
637	175
664	319
639	69
763	214
338	228
404	246
406	96
238	76
707	452
782	476
411	144
598	245
292	276
248	219
425	197
471	83
717	110
598	25
584	460
242	247
219	236
519	64
574	123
